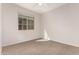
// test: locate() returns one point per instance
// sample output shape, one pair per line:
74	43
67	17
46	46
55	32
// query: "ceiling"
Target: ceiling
40	7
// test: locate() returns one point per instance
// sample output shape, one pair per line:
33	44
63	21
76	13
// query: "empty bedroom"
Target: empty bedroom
40	28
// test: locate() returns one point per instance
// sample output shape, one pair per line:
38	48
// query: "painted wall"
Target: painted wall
0	26
62	24
11	34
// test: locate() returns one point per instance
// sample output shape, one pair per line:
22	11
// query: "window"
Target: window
25	22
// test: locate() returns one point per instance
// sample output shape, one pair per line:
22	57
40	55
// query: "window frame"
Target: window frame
25	25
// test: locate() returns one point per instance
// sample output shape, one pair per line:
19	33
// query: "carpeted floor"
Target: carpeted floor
37	47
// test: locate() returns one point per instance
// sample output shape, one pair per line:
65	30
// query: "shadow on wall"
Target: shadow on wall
46	35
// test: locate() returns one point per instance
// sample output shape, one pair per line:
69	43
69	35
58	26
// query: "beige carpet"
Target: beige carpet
36	47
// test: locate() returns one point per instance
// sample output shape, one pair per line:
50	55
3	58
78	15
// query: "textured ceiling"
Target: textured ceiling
45	7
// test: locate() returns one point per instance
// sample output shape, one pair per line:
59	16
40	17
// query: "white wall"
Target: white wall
62	24
0	26
11	34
